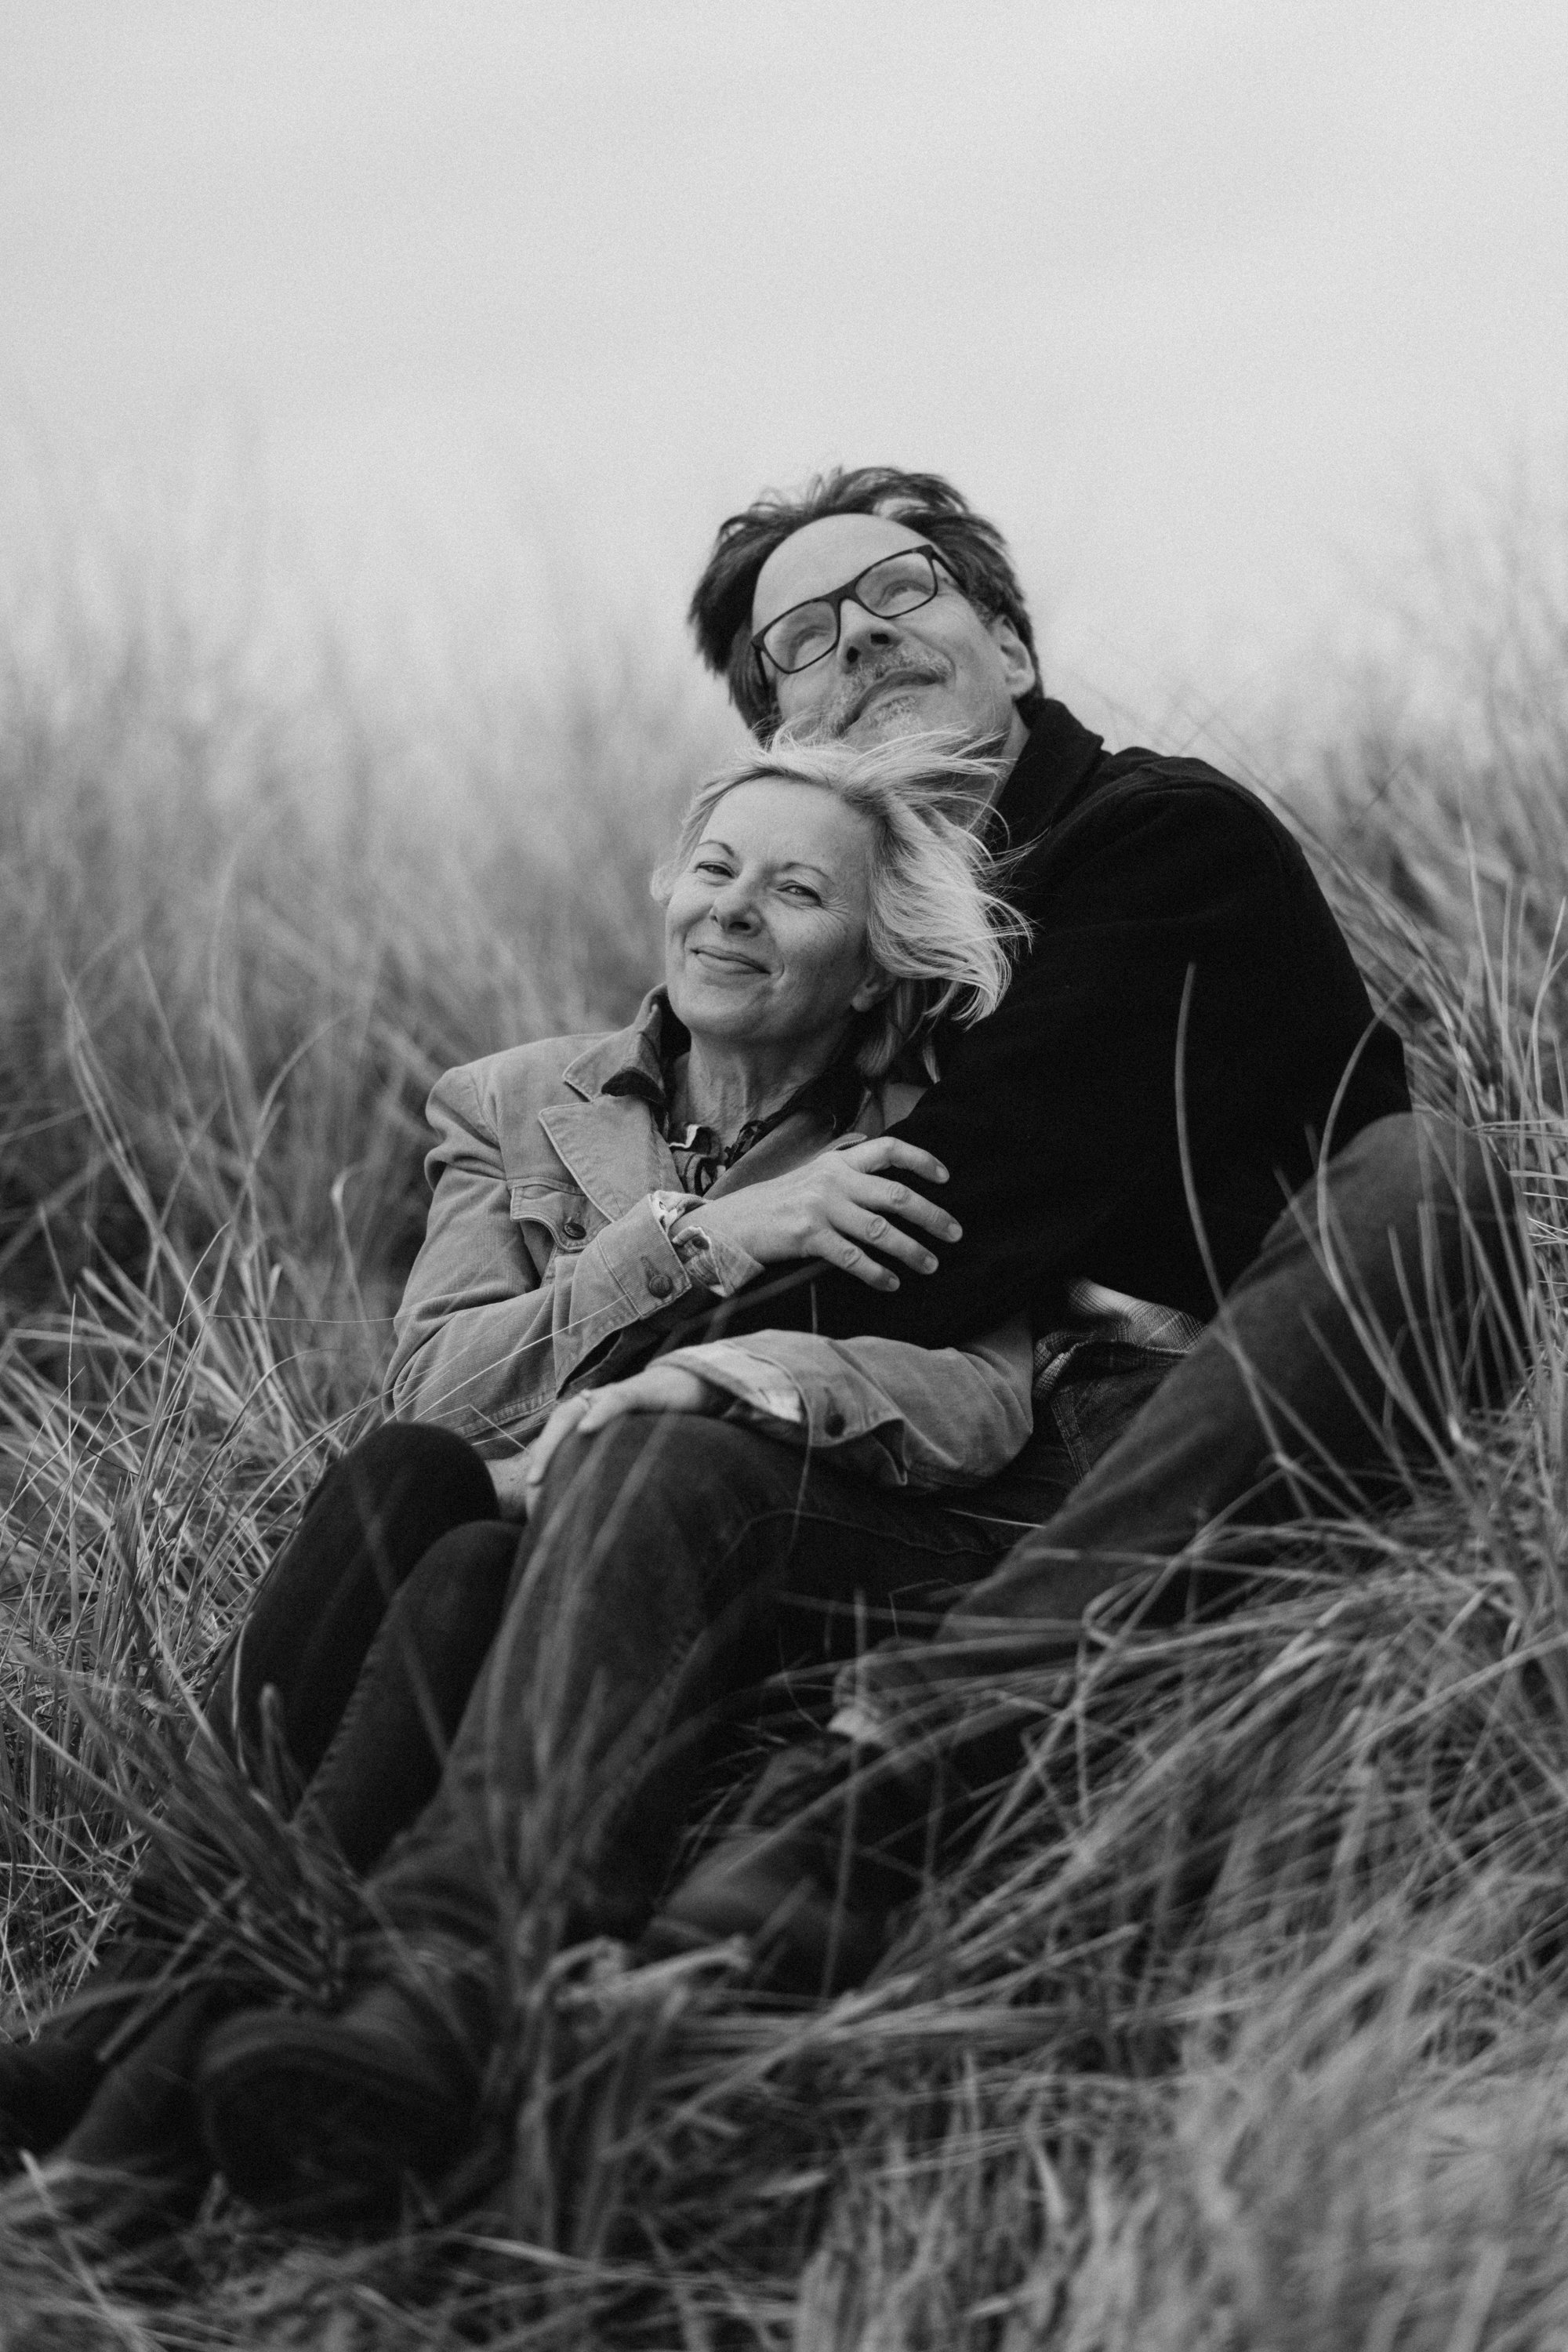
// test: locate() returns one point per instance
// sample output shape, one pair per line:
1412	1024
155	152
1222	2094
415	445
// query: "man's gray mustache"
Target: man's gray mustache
919	673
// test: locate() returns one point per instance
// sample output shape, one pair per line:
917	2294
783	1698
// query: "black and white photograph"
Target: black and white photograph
784	1176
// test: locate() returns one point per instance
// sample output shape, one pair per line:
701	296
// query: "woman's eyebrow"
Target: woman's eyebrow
781	865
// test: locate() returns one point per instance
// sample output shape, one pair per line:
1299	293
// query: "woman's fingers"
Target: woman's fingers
840	1204
892	1151
840	1251
882	1194
662	1388
514	1483
561	1424
877	1233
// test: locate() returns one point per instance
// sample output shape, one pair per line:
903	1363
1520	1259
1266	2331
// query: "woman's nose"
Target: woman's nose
734	907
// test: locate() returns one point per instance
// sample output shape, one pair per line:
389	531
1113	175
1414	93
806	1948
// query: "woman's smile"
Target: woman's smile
726	960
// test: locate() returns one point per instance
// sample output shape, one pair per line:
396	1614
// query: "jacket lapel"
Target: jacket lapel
612	1149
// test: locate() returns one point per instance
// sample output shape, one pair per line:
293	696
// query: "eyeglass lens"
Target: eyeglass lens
896	583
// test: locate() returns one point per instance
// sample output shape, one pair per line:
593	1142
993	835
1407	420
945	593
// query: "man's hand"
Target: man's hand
662	1388
837	1207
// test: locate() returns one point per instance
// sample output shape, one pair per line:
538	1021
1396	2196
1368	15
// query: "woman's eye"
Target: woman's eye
712	865
802	890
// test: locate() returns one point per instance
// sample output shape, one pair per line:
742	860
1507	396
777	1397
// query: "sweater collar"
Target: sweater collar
1058	758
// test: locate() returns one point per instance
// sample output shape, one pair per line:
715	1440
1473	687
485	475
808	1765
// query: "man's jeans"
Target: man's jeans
679	1560
1389	1299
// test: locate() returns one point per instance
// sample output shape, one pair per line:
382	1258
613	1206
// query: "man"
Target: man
1186	1048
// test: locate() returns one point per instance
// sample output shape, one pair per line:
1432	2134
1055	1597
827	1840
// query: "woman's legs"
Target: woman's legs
309	1630
384	1764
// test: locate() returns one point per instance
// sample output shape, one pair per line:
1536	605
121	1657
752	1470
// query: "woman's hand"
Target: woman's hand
837	1207
661	1388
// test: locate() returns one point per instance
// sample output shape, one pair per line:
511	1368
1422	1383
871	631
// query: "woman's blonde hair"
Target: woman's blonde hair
934	925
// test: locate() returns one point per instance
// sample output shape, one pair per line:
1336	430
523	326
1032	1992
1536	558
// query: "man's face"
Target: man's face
944	665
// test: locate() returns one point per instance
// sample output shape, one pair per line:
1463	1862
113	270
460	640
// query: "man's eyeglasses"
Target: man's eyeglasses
899	583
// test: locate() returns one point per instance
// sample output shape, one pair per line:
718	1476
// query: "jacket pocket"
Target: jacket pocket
556	1218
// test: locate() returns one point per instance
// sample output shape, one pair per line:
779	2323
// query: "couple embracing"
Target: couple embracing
1009	1186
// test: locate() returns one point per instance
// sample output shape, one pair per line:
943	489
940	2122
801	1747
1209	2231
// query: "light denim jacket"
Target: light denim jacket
542	1249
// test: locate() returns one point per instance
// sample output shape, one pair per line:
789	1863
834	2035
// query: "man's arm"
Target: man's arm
1173	916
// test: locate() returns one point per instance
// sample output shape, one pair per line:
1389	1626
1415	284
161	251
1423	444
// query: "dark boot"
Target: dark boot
144	2110
332	2115
46	2087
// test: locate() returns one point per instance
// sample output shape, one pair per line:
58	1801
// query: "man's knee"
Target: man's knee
1415	1159
1432	1194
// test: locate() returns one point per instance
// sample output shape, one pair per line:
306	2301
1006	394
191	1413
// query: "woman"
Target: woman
823	909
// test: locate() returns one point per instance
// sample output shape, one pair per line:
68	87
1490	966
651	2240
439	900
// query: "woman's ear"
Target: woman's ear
876	984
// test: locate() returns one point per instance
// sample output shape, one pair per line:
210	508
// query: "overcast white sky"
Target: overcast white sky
1197	297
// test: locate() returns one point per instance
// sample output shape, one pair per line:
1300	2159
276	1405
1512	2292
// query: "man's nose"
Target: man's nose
860	632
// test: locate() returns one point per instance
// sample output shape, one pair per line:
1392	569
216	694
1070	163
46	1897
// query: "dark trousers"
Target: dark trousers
345	1681
678	1564
678	1560
341	1689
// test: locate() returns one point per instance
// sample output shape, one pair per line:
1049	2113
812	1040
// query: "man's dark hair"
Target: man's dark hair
973	550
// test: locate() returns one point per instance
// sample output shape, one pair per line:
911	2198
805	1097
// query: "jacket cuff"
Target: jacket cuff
839	1413
723	1268
764	1389
641	1260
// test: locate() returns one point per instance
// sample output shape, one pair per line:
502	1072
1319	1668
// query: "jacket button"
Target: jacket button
659	1284
573	1230
833	1422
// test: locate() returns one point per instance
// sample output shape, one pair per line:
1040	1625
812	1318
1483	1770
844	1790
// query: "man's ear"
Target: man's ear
872	989
1016	659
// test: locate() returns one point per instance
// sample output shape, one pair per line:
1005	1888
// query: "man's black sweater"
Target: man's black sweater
1187	1030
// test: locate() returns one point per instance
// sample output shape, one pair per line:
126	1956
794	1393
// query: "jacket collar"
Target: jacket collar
1059	758
630	1061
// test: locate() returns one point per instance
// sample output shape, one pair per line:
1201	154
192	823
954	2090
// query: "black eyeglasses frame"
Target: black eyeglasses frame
839	597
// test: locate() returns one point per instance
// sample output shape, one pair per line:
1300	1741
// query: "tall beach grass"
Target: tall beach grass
1247	2023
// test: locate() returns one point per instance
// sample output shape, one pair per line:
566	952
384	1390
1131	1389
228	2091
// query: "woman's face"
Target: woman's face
764	935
